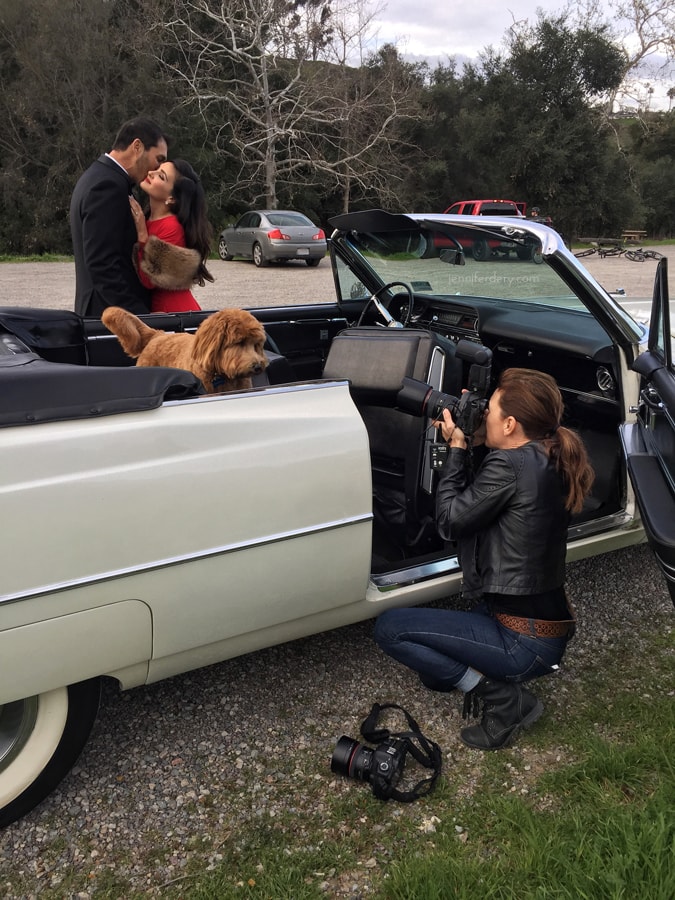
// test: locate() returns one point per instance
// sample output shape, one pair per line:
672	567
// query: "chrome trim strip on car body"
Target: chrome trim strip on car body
612	522
388	581
187	558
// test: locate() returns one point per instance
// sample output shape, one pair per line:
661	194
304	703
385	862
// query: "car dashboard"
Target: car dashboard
568	344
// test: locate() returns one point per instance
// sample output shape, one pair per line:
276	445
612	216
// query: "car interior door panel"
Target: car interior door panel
649	445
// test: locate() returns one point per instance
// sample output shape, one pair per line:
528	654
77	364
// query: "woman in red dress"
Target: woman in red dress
174	241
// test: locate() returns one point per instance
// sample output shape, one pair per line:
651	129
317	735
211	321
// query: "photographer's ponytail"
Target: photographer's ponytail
534	400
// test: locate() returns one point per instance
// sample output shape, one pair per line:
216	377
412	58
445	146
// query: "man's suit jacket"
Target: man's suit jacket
104	234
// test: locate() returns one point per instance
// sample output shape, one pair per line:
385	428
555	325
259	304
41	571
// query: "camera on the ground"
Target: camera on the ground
381	766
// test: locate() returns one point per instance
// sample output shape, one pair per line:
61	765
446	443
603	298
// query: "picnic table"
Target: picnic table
634	236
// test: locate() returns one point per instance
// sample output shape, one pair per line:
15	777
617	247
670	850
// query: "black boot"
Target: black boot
507	707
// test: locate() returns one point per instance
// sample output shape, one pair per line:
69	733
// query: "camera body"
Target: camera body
381	766
420	399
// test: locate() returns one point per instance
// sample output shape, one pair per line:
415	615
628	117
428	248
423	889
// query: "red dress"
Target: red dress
170	230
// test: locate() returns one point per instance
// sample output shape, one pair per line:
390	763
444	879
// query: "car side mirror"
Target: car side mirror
452	257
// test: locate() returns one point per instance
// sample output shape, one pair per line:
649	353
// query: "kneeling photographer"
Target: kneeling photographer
510	522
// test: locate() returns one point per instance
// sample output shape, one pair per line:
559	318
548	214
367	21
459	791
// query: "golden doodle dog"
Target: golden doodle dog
224	353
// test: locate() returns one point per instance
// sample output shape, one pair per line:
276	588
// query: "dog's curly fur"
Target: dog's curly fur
224	353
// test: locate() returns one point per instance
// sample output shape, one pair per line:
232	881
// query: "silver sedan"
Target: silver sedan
273	235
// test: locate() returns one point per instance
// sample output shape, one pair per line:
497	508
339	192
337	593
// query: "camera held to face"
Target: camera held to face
420	399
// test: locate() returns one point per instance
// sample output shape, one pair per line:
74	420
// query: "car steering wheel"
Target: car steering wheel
390	321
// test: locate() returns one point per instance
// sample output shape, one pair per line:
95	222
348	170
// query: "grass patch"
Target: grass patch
599	827
612	851
45	257
584	811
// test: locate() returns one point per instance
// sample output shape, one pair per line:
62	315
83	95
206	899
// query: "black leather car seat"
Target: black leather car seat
375	361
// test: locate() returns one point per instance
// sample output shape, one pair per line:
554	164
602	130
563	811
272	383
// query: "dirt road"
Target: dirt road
240	283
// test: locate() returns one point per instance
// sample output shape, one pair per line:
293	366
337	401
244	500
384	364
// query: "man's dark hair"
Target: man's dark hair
145	130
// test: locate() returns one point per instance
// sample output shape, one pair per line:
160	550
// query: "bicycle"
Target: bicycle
611	251
588	252
640	255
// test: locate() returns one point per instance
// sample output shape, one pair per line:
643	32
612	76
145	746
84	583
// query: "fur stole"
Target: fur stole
168	266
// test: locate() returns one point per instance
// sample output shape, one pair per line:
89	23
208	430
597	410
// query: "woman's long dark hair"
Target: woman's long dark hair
534	400
189	205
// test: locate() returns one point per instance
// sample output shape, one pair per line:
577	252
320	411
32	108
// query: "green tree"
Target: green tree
653	154
529	118
442	170
69	81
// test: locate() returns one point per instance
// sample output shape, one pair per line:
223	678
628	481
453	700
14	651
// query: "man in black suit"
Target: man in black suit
101	223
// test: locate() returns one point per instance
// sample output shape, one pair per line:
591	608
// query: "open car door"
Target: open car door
649	444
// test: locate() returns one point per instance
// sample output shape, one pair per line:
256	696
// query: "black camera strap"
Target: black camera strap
423	749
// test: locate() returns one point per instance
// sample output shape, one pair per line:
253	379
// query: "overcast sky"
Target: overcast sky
440	28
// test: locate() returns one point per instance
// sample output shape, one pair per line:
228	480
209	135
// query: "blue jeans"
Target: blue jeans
442	645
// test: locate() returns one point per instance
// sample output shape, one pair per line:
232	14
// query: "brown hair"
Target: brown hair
535	402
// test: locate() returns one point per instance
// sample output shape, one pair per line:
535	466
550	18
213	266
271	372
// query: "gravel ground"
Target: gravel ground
176	771
239	283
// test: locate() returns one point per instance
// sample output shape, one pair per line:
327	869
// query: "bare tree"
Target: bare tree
366	148
374	96
645	31
277	76
243	63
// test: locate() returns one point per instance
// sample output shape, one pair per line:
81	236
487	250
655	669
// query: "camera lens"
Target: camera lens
437	402
420	399
351	759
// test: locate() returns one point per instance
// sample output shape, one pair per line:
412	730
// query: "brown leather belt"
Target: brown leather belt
536	627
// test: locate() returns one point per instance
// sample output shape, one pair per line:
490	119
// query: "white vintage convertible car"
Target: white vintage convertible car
150	529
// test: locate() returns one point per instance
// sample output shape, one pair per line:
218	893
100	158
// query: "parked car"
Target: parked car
150	529
273	235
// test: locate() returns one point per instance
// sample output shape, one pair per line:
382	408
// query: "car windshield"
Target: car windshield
455	261
288	219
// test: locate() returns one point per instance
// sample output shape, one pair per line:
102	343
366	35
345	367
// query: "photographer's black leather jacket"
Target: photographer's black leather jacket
510	522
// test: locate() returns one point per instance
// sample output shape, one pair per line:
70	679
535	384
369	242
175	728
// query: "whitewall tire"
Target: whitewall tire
40	739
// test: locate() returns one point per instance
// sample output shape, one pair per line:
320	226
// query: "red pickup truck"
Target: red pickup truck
487	208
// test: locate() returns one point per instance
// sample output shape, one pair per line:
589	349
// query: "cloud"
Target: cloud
434	31
452	28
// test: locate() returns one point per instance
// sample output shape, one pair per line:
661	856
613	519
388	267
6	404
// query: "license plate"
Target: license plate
303	251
